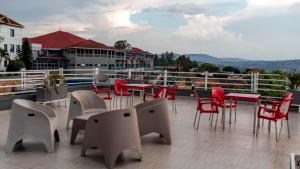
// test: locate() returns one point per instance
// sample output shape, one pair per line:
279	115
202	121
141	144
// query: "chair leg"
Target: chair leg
269	127
216	121
276	131
257	126
212	119
288	127
235	115
175	106
195	117
198	121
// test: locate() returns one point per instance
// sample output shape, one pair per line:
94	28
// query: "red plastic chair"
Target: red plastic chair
218	96
159	93
103	90
171	95
117	90
212	109
276	113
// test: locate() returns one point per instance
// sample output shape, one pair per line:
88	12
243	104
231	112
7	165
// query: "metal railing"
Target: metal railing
269	85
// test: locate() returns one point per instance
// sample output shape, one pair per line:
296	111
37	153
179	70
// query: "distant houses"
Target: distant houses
65	50
10	38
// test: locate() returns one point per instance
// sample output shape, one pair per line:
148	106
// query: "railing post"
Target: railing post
252	83
205	80
95	72
23	78
165	77
61	71
255	83
129	73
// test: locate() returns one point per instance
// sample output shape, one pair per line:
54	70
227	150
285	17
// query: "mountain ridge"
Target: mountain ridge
284	65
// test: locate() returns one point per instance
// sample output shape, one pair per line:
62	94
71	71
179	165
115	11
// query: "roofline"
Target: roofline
88	48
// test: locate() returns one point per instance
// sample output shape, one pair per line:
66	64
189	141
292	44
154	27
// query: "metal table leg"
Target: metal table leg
254	116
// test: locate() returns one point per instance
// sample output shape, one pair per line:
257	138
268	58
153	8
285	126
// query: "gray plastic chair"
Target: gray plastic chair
84	102
31	120
153	116
112	132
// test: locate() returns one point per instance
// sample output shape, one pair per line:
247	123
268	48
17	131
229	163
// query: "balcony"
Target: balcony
234	147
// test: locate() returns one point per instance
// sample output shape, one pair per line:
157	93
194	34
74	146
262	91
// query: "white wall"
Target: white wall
16	40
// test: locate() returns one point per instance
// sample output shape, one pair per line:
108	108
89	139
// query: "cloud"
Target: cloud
213	27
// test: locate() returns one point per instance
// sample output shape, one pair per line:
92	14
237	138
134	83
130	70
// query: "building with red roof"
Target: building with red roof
65	50
10	38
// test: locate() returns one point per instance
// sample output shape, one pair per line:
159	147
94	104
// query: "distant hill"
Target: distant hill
284	65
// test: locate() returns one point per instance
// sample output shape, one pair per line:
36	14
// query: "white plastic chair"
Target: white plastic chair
85	102
32	120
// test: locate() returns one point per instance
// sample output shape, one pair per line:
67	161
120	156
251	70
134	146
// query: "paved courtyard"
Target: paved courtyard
233	148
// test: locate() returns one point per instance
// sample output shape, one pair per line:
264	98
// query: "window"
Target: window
18	48
5	47
12	33
12	48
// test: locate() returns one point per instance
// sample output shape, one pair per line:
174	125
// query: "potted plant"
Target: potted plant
294	84
54	88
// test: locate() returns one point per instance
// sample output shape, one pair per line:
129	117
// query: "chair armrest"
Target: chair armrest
48	111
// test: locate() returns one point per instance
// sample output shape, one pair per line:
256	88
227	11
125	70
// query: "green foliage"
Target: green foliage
54	80
231	69
4	55
122	45
166	59
15	65
185	64
26	54
208	67
294	80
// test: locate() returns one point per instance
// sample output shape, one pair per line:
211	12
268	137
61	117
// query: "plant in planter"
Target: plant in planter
294	80
54	88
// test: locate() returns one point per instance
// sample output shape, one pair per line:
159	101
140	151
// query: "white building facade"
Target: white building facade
11	34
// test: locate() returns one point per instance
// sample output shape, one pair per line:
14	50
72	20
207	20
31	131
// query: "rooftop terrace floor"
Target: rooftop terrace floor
233	148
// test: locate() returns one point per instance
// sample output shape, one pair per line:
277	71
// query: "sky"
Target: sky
249	29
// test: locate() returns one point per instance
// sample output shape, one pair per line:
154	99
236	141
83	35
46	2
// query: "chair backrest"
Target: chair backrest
200	102
160	92
87	99
111	130
171	91
218	94
285	104
118	83
25	112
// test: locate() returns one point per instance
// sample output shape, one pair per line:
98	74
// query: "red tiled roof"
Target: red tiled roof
7	21
57	40
138	50
91	44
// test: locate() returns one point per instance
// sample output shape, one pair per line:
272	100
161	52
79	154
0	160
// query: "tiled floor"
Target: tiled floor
233	148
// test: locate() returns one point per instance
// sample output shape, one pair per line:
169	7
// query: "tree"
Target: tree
122	45
15	65
26	54
3	55
184	63
208	67
231	69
